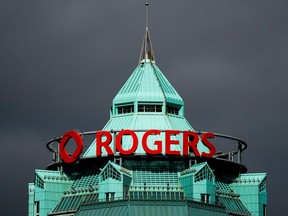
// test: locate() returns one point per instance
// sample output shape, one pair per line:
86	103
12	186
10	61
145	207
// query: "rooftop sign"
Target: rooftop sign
188	142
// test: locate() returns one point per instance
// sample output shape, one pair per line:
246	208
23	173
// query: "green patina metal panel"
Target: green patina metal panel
203	209
233	205
31	194
155	178
151	208
147	83
102	209
171	94
145	122
186	180
151	183
252	190
48	189
198	183
204	183
111	182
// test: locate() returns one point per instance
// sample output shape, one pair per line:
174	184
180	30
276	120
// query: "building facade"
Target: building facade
166	174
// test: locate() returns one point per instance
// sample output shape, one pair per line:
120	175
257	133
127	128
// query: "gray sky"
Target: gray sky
62	62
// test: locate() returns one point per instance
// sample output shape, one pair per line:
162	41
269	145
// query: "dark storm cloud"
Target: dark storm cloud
62	62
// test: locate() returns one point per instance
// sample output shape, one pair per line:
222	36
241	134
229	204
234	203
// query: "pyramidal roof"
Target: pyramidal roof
147	83
146	101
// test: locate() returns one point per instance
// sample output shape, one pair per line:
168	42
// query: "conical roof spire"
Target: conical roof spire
147	50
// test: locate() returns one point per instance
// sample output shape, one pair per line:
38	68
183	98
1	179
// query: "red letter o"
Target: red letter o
63	153
119	144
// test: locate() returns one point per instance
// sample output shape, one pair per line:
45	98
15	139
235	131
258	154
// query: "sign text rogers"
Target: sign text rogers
190	141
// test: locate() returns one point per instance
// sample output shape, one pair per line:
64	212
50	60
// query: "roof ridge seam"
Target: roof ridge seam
139	83
154	71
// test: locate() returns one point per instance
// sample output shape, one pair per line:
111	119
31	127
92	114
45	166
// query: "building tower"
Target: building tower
145	161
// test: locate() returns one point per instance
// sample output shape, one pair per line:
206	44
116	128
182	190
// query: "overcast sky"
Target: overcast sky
62	62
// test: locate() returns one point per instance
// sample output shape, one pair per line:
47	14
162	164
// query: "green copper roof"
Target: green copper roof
147	84
151	207
233	205
146	121
147	101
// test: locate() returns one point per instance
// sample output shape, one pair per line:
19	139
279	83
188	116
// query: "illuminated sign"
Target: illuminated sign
190	141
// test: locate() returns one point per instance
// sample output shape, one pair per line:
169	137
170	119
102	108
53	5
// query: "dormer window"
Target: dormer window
149	108
173	109
125	109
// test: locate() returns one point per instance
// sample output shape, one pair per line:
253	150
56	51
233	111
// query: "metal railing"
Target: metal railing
155	198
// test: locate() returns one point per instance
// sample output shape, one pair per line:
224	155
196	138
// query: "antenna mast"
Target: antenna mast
146	51
146	4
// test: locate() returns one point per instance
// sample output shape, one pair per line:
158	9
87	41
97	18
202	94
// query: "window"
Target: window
110	172
136	195
125	109
158	195
149	108
205	198
110	196
173	110
37	208
204	173
177	197
39	182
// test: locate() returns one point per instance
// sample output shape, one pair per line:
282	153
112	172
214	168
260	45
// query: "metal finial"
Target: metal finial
146	4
